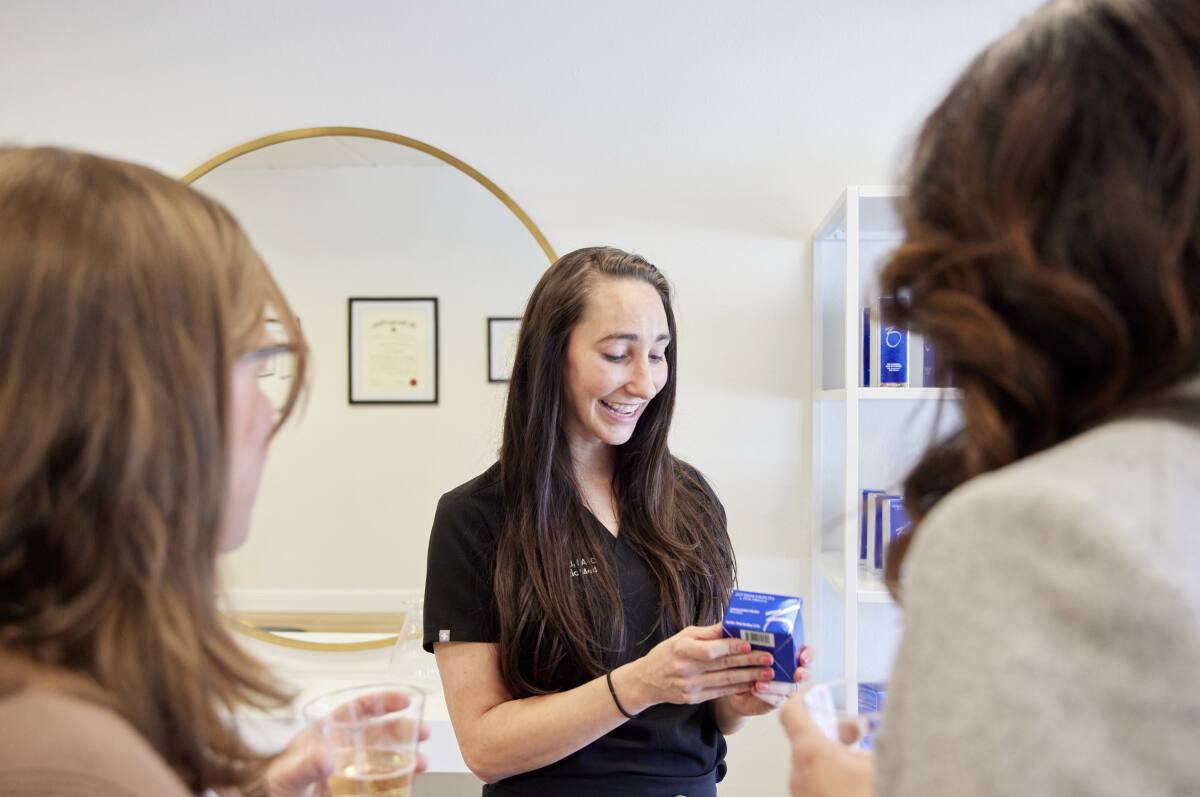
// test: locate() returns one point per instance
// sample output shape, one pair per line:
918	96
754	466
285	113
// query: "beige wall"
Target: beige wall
349	491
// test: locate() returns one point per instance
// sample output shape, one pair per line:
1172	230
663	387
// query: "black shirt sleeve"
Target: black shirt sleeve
459	604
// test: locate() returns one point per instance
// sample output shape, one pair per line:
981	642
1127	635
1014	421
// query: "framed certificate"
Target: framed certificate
393	351
501	347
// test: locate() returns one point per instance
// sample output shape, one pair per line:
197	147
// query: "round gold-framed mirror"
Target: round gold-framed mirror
378	135
341	214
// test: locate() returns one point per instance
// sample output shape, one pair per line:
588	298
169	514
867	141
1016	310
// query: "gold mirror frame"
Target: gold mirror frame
241	626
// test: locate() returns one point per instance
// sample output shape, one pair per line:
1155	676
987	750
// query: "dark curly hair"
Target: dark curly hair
1052	233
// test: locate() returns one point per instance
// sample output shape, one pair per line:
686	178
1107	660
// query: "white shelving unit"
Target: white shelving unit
890	394
862	437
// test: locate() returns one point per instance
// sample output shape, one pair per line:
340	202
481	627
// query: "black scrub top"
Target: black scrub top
665	751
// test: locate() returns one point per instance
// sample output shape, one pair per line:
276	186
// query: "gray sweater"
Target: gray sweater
1052	627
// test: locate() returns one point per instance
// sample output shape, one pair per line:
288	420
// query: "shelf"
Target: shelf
881	191
877	214
858	435
909	393
871	588
892	394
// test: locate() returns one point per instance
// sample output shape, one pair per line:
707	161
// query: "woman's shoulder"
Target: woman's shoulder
1044	589
1111	470
692	479
476	504
689	475
484	490
52	742
1117	493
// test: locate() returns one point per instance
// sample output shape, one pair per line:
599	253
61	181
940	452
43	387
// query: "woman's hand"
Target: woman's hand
820	767
761	698
304	767
695	665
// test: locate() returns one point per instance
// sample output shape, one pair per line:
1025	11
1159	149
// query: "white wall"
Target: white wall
349	491
709	136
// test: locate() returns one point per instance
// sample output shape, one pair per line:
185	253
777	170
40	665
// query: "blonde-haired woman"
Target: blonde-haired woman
132	323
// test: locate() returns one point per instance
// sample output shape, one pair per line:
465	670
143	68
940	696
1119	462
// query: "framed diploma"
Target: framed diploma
502	347
393	351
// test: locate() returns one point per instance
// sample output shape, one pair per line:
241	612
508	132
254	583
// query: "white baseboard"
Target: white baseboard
318	600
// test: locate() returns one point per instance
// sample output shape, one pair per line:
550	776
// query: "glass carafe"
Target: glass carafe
410	663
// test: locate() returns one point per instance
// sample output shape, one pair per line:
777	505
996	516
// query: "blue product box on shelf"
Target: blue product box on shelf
864	526
768	622
866	348
893	347
922	361
871	696
875	530
895	523
928	364
888	345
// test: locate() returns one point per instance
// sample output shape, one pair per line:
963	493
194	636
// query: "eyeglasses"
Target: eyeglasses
275	372
274	361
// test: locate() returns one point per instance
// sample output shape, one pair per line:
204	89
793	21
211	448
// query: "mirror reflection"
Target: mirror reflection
343	517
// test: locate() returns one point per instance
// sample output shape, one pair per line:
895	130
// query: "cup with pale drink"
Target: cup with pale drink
371	733
834	708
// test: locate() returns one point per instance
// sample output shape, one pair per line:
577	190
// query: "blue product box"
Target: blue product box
866	348
895	523
922	361
928	364
875	529
871	697
893	347
773	623
864	526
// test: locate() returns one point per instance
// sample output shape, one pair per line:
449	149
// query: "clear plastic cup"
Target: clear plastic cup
372	733
833	706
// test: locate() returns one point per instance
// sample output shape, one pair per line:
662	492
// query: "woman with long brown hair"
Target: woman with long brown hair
575	588
1051	584
132	328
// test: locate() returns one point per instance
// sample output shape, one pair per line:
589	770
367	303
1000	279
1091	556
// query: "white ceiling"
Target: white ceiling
705	113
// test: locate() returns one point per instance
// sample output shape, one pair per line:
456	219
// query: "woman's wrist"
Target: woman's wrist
632	692
728	718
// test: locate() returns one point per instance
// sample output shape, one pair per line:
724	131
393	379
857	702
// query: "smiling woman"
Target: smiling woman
616	363
566	582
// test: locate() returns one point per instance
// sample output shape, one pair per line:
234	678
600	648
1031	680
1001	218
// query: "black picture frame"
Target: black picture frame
494	339
424	384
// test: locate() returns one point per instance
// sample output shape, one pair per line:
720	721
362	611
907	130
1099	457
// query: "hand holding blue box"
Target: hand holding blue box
773	623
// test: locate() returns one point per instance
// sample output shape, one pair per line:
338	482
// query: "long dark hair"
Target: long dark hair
125	298
668	514
1052	247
